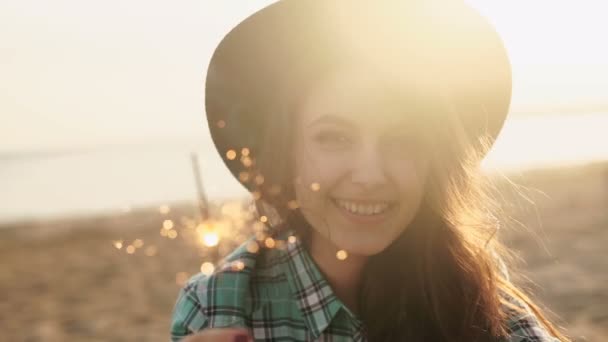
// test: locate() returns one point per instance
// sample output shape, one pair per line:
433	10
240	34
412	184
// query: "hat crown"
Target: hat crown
438	46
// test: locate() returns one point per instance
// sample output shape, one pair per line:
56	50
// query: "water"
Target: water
108	179
111	179
550	141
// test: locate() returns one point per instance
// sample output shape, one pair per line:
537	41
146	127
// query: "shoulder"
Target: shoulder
188	314
522	323
223	298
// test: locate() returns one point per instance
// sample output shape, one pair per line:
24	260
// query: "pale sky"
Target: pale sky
82	73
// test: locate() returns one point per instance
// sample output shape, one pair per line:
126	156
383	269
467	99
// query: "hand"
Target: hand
220	335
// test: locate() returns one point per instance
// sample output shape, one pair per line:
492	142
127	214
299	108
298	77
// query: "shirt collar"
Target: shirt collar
314	296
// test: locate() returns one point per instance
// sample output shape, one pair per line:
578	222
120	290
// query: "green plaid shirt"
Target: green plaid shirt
280	295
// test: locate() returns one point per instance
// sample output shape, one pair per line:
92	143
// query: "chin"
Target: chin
363	244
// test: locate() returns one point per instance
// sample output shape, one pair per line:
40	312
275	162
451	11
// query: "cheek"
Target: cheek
319	168
409	176
312	205
308	180
315	175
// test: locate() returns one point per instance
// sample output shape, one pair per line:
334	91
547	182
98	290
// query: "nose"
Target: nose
368	168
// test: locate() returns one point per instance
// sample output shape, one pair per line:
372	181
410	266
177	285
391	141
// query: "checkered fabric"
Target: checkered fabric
280	295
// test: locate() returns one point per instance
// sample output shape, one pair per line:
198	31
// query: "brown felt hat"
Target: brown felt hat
433	46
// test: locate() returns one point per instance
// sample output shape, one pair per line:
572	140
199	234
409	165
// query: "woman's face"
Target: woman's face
360	164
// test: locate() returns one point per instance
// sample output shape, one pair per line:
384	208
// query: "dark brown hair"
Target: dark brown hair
444	277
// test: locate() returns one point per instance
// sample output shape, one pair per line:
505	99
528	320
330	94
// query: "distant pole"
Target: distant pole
203	204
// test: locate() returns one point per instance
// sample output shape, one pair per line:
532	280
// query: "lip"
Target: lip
364	219
361	201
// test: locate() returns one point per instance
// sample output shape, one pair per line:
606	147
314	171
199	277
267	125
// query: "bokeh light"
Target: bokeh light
238	265
211	239
207	268
341	255
244	176
247	162
269	242
164	209
117	244
168	224
253	247
231	154
208	236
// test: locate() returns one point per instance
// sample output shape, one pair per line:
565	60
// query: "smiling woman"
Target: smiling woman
367	122
371	171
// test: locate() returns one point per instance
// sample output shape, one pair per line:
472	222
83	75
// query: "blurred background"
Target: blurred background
101	110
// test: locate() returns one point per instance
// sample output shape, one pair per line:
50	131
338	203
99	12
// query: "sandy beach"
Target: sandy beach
115	277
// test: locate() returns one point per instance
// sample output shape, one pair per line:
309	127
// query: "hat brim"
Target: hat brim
273	53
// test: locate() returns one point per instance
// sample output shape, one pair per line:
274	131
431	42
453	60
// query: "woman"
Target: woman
359	126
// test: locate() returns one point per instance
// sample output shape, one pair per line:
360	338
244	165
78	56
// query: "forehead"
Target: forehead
364	96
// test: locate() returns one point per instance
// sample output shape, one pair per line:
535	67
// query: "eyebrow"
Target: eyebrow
331	119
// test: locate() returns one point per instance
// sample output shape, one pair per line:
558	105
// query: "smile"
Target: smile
367	208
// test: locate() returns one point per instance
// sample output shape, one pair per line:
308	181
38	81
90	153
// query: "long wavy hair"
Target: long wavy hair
444	278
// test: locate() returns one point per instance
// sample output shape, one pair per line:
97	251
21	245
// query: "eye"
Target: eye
332	139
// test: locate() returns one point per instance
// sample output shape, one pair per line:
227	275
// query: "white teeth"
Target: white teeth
363	209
